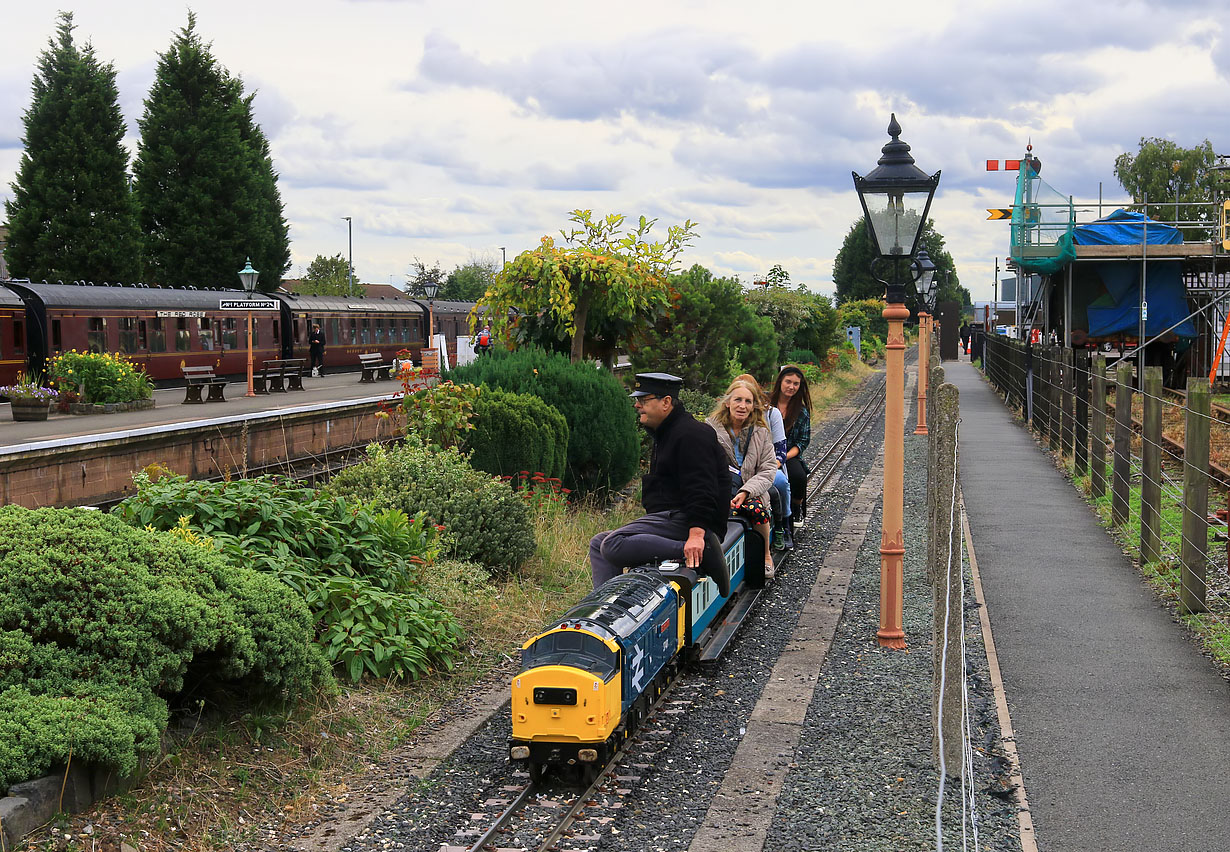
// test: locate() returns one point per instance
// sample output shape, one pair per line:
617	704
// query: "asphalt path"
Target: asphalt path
1123	728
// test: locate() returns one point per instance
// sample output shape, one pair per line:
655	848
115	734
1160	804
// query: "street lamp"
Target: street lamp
247	277
504	256
896	196
430	289
349	257
926	289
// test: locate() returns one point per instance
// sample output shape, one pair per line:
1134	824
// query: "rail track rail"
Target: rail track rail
543	813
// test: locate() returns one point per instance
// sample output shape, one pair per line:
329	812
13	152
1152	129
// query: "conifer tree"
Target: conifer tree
205	182
72	215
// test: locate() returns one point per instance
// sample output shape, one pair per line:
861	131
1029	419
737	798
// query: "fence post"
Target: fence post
947	704
1055	396
1097	469
1151	468
1081	370
1067	437
1121	465
1194	551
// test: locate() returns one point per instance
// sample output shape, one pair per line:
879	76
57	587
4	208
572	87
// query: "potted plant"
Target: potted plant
28	399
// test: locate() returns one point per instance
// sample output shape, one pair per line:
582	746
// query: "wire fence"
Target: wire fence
1151	459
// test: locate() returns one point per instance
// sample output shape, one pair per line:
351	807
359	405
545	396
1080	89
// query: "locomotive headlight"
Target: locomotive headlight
586	755
519	752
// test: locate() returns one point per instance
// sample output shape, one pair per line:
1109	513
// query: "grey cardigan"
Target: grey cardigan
759	462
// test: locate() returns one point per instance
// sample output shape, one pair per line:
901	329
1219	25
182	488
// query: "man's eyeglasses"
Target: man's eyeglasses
640	399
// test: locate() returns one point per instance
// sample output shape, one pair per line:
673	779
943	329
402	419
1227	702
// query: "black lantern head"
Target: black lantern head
925	283
896	196
431	288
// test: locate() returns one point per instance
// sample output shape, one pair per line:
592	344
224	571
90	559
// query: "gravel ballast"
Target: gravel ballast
861	776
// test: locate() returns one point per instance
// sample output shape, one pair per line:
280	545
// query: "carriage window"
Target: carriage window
183	341
57	337
353	334
205	333
379	330
128	334
276	325
230	333
365	332
96	334
142	334
19	336
417	325
157	340
335	331
296	336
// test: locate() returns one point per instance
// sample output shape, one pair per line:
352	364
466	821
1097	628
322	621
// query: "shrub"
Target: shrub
698	403
602	431
101	624
99	377
801	356
354	566
440	413
516	432
483	520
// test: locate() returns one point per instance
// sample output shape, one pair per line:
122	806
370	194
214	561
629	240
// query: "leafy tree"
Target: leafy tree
852	268
1164	172
778	277
468	282
819	331
330	276
603	287
788	310
697	338
759	350
424	274
204	176
72	215
867	314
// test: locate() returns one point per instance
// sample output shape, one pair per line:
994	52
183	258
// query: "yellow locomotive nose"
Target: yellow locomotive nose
564	704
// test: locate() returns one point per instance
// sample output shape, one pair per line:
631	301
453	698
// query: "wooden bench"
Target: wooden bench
198	378
279	374
374	367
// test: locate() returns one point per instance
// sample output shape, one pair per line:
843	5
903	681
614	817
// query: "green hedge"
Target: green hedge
484	521
515	432
603	448
102	623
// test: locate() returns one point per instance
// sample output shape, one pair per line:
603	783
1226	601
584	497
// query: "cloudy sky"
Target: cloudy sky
449	129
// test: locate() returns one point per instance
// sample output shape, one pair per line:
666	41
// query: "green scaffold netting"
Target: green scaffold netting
1042	220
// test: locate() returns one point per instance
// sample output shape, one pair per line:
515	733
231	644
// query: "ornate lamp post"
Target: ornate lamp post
430	289
926	293
896	197
247	277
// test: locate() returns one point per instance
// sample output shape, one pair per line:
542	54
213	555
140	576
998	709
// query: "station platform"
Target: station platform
169	409
1122	726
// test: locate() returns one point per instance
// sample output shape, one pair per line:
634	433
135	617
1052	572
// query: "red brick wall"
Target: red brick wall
89	472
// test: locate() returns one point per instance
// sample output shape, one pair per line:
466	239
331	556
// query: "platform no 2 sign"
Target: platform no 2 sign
247	304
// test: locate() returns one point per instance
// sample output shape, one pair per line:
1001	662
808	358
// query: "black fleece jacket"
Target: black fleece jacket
688	472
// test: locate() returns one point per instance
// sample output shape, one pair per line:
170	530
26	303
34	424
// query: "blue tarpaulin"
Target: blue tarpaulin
1164	293
1126	228
1164	290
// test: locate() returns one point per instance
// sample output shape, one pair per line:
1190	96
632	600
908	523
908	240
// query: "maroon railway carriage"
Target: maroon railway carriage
164	329
352	327
12	337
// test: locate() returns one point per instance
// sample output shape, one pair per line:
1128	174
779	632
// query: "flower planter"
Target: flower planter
30	409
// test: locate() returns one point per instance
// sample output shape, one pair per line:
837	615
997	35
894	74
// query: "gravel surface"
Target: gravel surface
862	777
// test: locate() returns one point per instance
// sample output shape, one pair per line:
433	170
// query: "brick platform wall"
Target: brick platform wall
81	471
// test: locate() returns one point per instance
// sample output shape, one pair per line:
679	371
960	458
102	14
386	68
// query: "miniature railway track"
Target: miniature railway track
1216	472
543	816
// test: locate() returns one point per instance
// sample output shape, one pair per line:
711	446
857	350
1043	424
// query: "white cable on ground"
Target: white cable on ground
939	799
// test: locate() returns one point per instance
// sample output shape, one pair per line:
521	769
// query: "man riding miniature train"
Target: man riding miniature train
686	493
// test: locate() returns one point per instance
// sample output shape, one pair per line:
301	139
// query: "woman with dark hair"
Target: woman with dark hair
792	398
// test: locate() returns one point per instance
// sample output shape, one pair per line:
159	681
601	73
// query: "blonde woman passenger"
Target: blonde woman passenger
779	494
738	419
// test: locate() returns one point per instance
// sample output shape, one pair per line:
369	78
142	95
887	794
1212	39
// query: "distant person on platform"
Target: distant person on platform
686	492
482	343
316	349
966	333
